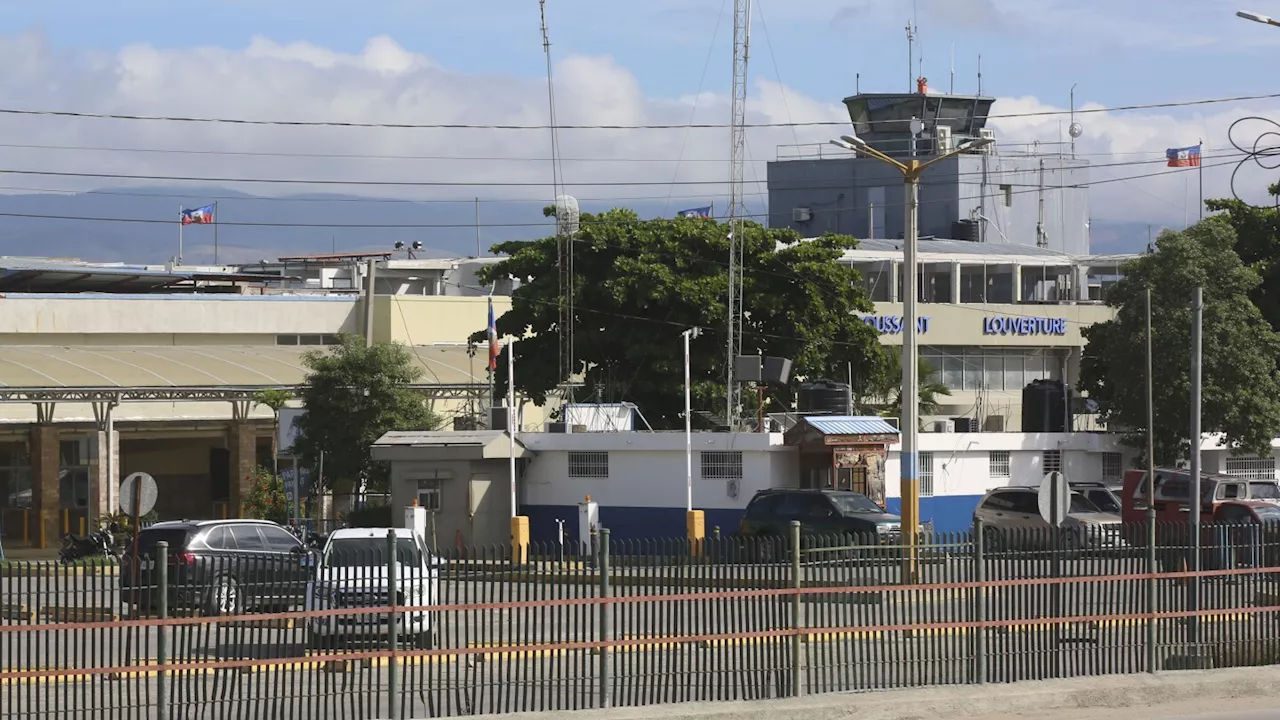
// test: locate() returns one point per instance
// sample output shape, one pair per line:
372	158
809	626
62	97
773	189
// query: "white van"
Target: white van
352	573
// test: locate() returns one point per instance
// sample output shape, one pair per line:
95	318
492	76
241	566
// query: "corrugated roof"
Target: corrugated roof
427	438
23	366
850	425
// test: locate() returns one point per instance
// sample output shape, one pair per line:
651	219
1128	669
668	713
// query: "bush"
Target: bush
370	516
266	499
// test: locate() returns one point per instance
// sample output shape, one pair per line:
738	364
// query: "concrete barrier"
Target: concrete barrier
1027	699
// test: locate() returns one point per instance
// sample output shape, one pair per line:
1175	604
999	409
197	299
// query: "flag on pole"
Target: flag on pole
198	216
1183	157
493	339
702	212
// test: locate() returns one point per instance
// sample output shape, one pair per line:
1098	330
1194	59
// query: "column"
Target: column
242	443
955	283
106	478
894	281
46	530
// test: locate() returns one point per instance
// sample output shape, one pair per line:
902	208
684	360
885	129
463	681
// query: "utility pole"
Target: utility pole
1197	334
737	154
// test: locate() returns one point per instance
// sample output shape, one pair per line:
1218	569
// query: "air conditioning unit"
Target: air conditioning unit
942	139
987	134
801	214
993	423
498	418
942	426
559	428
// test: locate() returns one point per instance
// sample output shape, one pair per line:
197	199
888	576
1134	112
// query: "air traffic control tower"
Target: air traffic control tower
1018	193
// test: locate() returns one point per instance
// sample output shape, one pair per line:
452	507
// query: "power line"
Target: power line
512	183
1026	188
494	126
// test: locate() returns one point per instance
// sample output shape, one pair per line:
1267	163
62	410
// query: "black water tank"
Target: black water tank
1043	407
966	230
823	397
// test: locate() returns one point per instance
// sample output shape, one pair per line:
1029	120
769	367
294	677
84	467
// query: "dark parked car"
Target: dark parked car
220	567
833	514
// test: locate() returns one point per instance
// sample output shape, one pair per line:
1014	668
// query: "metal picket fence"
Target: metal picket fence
181	635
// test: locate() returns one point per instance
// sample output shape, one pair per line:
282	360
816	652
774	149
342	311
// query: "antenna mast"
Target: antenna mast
911	56
564	240
737	209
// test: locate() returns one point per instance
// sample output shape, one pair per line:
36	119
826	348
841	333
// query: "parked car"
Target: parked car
352	573
1101	495
820	512
220	567
1013	522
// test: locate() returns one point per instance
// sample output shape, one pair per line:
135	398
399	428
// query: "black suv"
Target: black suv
830	513
220	567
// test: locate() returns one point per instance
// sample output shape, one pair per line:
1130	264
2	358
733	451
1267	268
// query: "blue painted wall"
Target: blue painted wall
948	513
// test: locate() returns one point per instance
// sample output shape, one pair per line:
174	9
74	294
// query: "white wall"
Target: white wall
36	316
961	461
649	469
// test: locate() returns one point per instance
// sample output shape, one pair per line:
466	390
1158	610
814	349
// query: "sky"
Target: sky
656	62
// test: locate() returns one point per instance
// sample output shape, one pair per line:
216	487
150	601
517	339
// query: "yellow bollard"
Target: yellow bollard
66	521
520	539
695	524
83	526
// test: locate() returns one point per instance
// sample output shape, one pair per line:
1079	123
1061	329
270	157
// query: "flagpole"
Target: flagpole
215	232
179	234
1201	173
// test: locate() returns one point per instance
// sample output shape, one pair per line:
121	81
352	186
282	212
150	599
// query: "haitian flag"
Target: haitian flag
702	212
199	216
493	339
1183	157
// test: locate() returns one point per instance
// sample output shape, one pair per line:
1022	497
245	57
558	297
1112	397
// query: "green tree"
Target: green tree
640	283
267	500
889	386
353	395
1258	245
1241	393
274	398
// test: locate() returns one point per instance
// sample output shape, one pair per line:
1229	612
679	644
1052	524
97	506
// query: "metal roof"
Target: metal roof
850	425
199	366
961	247
40	276
427	438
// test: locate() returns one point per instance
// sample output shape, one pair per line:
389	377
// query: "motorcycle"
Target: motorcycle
99	543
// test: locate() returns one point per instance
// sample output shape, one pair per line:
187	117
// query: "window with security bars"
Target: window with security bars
1252	467
721	464
926	474
588	464
1111	467
998	463
1052	461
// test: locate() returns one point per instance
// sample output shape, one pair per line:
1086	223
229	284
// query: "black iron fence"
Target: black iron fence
377	627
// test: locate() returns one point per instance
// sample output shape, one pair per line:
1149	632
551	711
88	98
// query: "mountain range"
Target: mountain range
140	225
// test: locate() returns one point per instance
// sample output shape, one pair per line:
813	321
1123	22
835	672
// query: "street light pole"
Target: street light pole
688	425
909	423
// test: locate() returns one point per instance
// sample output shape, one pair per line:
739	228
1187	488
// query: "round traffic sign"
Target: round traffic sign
138	492
1054	498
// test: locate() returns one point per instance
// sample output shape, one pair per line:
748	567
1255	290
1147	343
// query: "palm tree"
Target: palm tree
890	387
275	399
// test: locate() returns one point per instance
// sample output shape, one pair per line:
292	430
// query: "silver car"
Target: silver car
1013	522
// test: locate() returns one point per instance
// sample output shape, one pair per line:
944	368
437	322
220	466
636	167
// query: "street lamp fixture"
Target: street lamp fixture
910	422
1258	18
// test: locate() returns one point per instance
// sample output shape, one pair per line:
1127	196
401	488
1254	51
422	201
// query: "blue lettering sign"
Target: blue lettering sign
894	324
1024	326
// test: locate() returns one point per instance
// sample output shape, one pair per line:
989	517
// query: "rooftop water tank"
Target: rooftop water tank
823	397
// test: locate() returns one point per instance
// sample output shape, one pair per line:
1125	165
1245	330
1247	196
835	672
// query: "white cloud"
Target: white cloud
385	83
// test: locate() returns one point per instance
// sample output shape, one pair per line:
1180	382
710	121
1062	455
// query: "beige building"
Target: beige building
109	370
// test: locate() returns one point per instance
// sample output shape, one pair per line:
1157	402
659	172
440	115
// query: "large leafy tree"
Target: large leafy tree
353	395
640	283
1258	245
1241	393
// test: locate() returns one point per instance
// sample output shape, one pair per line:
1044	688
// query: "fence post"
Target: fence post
605	689
393	627
162	636
979	608
795	609
1151	591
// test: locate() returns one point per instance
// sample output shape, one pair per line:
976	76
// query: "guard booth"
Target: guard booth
843	452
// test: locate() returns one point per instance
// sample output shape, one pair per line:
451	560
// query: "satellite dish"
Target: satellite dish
916	126
567	215
1075	130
